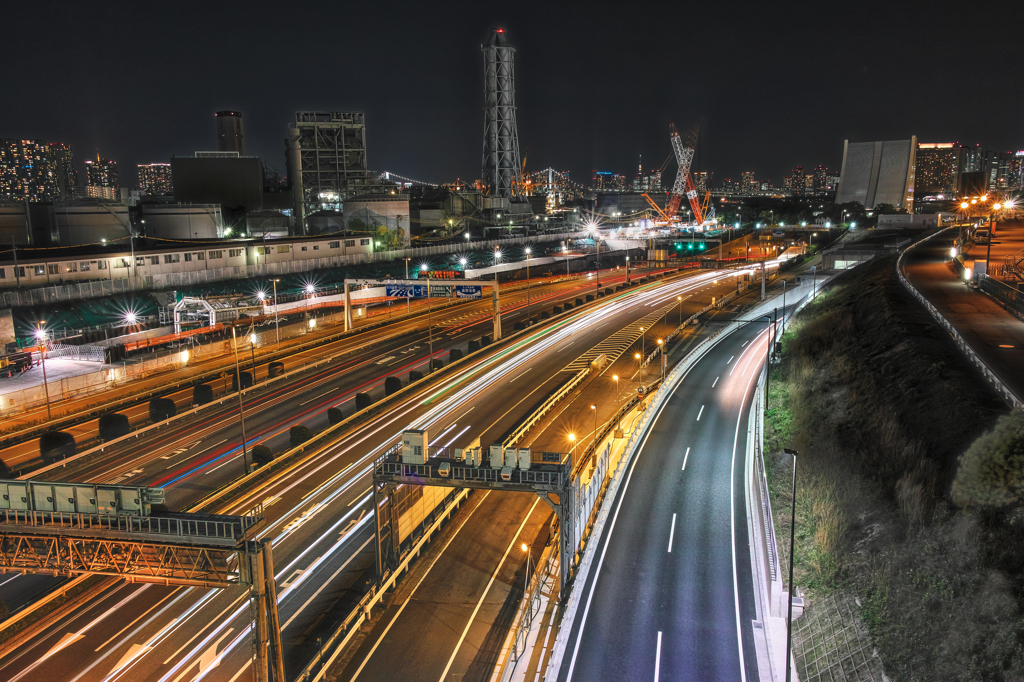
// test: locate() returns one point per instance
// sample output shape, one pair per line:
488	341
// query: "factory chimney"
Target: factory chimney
229	132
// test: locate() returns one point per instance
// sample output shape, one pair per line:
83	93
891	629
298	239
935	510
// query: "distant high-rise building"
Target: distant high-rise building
36	170
155	178
938	167
501	169
798	183
326	161
876	173
766	186
1017	171
101	178
229	132
701	180
820	184
750	185
606	181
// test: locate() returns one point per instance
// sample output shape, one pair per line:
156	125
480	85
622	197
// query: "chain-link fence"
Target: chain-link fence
831	644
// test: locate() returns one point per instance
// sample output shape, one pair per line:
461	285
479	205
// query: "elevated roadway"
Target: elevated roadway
317	513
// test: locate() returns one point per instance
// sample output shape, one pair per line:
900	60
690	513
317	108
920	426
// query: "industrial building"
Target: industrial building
113	260
35	170
384	215
876	173
326	155
90	221
182	221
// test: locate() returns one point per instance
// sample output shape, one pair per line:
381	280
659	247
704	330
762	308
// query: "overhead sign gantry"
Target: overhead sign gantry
417	288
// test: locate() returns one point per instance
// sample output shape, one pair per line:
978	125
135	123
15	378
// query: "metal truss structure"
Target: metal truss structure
502	173
683	152
133	561
552	482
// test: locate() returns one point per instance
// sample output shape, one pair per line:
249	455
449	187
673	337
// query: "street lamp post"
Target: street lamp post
277	326
526	583
792	535
661	345
408	294
572	455
627	271
527	282
680	299
430	324
640	364
41	336
241	411
252	354
814	281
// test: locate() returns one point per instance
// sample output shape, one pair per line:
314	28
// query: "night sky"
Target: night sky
776	84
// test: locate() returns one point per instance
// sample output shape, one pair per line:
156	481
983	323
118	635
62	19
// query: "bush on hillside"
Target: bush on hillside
991	471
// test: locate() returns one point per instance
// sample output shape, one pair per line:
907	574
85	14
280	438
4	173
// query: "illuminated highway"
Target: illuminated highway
317	516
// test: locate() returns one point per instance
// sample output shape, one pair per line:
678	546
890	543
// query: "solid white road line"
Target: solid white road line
672	533
700	413
604	550
409	598
686	458
732	524
657	659
716	382
472	617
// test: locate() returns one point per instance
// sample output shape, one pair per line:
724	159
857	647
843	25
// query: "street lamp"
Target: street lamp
277	326
526	583
527	282
792	535
680	299
430	322
594	408
241	411
252	354
572	439
637	357
407	292
41	335
660	344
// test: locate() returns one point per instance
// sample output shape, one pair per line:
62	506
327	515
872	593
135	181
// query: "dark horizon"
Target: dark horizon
595	90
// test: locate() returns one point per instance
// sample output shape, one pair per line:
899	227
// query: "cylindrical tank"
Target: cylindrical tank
229	132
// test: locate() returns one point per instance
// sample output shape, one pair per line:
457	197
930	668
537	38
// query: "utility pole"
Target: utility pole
17	276
277	326
41	335
241	411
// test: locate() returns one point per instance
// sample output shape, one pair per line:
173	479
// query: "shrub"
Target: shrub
202	394
261	454
275	369
474	346
454	354
363	400
334	415
392	385
991	472
436	363
114	425
161	409
297	435
415	375
246	380
56	445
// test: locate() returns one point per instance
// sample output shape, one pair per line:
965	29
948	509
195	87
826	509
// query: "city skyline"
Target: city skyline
576	107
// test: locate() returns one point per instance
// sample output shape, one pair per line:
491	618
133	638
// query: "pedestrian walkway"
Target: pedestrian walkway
992	332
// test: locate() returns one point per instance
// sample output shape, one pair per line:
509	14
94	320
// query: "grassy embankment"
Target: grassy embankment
882	408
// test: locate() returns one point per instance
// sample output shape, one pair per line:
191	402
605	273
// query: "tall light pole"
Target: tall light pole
572	439
241	411
277	325
408	293
527	282
594	408
661	347
252	353
627	271
680	299
640	367
41	336
618	422
792	535
565	250
526	583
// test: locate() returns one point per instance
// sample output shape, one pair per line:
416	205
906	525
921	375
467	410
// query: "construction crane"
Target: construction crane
684	157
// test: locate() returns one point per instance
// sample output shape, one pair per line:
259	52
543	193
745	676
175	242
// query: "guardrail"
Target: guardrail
1005	392
539	413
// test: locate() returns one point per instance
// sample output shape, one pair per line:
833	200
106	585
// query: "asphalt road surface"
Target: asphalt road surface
317	513
670	595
